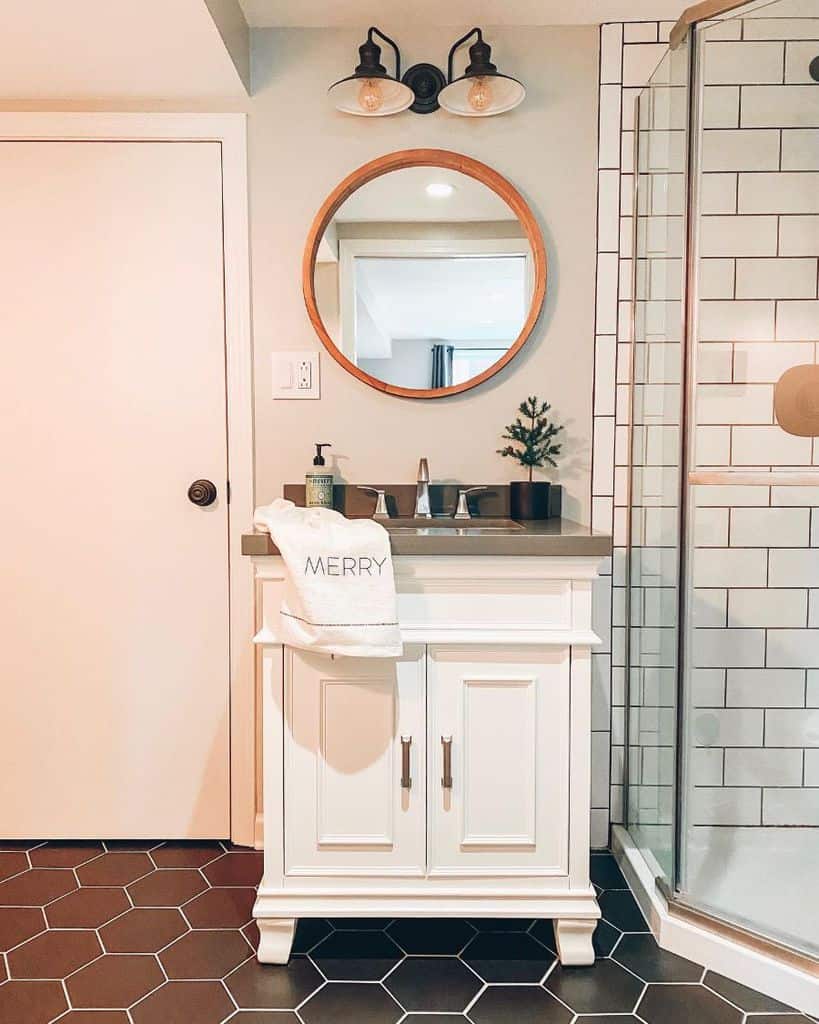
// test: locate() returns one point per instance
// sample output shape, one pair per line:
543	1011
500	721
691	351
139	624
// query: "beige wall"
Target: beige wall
299	149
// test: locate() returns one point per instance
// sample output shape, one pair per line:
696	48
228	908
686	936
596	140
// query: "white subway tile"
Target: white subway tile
599	829
630	108
721	648
792	727
607	272
600	753
711	527
713	446
797	320
611	55
720	106
812	700
609	140
738	236
608	211
813	609
728	567
602	511
799	236
605	354
740	149
718	194
641	59
772	527
779	106
781	27
709	609
779	192
640	32
800	149
765	363
741	62
603	456
794	568
768	446
763	767
734	403
795	496
768	607
714	363
765	687
793	648
812	767
721	806
727	28
730	496
706	766
728	727
776	279
790	807
749	320
798	56
716	279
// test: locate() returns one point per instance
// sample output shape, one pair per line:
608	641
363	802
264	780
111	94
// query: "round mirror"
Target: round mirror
424	273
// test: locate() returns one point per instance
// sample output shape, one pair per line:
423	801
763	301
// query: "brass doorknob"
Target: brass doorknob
202	493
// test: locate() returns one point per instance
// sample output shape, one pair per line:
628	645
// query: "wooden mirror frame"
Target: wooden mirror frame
424	158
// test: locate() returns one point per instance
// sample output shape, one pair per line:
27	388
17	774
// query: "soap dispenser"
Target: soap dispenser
318	483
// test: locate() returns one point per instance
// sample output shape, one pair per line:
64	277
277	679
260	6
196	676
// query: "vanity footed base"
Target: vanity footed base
575	916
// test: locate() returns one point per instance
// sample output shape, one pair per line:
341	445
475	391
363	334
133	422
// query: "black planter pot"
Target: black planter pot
529	500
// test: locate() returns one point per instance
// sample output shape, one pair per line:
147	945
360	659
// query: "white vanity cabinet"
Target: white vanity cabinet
453	781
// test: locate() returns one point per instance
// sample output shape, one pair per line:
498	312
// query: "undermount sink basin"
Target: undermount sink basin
448	526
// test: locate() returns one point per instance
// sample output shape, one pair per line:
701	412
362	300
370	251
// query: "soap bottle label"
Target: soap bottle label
319	490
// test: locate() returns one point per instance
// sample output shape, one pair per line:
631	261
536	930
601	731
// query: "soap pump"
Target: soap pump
318	483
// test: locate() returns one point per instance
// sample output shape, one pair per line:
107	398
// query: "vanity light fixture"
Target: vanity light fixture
480	92
370	91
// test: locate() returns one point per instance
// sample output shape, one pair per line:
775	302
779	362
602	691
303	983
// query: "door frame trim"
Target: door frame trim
230	131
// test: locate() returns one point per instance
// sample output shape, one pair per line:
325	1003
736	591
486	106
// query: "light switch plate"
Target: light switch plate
296	374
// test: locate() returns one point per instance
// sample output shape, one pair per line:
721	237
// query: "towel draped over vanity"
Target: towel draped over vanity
339	595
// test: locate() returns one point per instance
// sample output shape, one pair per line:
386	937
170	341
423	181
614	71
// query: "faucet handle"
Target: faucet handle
462	511
423	471
381	510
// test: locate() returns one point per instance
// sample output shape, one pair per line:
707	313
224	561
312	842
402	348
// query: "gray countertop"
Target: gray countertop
547	537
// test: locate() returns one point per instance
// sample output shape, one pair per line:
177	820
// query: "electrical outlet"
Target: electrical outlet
295	374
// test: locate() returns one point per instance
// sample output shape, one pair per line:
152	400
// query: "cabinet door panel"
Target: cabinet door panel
507	713
346	811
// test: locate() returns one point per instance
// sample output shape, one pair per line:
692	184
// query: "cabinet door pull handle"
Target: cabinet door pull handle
406	778
446	743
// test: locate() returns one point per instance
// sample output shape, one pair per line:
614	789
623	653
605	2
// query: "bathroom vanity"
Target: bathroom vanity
453	781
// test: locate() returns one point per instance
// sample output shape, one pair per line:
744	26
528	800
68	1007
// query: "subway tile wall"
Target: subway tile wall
759	315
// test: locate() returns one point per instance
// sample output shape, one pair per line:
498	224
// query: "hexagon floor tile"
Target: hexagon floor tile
180	951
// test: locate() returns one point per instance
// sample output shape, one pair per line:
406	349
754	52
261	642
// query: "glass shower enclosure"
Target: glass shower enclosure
722	794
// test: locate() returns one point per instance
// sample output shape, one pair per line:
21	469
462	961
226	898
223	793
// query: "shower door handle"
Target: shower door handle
446	746
406	777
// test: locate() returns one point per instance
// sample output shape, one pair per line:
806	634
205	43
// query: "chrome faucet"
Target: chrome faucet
422	510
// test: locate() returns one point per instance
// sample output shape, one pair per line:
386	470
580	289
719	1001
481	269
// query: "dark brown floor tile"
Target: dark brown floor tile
167	888
430	937
341	1001
64	855
186	855
685	1004
31	1002
95	1017
745	998
643	957
87	908
605	987
36	888
3	974
115	869
12	864
221	908
273	987
433	983
19	844
143	930
521	1004
131	844
264	1017
54	954
184	1002
205	954
309	932
251	933
235	869
114	982
18	924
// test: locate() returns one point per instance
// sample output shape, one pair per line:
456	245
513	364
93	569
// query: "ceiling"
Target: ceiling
100	50
355	13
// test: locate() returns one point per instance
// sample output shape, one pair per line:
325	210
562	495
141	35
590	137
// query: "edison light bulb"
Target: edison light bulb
480	94
370	96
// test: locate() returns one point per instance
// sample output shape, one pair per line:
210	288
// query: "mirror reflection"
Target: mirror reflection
424	278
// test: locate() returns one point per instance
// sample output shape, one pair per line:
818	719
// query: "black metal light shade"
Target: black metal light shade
370	91
482	90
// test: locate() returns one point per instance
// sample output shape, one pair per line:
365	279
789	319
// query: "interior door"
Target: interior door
498	761
114	585
355	787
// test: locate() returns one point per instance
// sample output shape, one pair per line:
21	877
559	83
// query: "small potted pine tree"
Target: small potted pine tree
534	434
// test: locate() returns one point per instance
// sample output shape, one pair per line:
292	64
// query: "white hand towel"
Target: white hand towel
340	590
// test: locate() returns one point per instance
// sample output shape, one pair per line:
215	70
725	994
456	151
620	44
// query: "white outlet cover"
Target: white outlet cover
287	375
